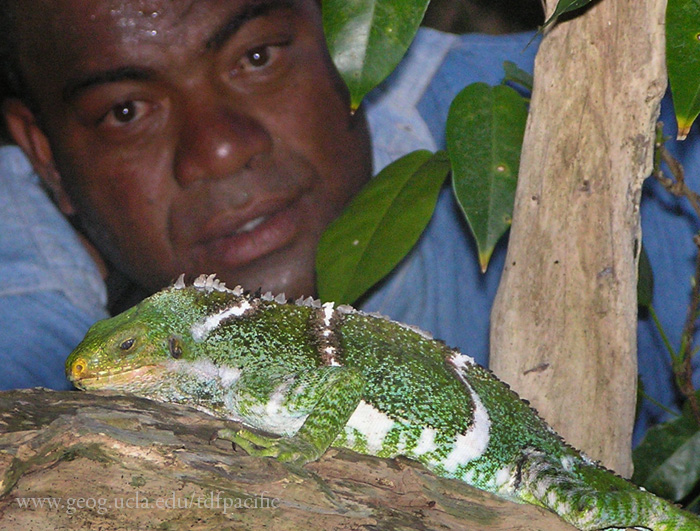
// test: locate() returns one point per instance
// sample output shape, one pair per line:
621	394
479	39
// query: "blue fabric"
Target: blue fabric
50	291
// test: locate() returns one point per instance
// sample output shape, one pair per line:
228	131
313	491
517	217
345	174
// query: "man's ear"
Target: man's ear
25	131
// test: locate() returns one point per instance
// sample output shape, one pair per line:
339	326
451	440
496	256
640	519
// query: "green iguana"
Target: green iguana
319	376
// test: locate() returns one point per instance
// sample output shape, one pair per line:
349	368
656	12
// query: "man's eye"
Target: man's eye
258	57
263	58
124	113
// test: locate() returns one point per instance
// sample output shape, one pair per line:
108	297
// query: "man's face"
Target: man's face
197	136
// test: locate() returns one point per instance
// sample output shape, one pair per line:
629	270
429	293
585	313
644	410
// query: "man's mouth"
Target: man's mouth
232	243
252	224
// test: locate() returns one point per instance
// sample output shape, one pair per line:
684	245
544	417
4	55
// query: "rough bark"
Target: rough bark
563	330
111	462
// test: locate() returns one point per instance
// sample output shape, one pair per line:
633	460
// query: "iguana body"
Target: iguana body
320	376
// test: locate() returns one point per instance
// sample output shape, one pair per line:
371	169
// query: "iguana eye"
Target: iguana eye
175	348
127	344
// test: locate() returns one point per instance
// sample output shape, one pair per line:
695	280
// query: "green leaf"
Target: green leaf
485	128
645	281
379	226
683	60
368	38
517	75
667	462
563	7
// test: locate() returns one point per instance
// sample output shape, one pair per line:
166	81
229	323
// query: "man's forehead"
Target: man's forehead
153	13
148	19
77	36
140	18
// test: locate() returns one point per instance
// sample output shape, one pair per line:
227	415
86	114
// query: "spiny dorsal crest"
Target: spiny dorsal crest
209	283
246	304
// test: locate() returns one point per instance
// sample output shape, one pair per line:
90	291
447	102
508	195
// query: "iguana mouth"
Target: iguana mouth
83	378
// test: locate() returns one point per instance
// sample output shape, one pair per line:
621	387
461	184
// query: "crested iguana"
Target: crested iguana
317	376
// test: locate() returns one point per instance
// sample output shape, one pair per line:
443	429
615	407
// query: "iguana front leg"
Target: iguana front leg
334	393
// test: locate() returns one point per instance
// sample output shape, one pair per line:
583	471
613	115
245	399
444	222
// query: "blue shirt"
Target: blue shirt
51	291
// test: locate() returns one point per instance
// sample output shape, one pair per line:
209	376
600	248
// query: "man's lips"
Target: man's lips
237	240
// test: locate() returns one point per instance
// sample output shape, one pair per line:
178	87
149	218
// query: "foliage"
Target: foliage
683	60
345	272
564	7
517	76
379	226
667	462
645	281
368	38
485	128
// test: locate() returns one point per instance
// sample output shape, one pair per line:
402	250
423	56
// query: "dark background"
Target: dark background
484	16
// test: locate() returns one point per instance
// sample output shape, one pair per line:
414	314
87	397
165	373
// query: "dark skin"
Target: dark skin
196	136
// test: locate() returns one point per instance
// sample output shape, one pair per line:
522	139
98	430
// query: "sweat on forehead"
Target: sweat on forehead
147	16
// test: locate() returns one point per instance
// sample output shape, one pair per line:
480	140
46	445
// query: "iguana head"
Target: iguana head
191	336
132	350
121	352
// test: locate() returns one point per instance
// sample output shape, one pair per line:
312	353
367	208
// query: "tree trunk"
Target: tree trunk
71	460
563	327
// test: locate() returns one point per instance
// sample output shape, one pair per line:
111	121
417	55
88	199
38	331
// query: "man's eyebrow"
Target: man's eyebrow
239	18
126	73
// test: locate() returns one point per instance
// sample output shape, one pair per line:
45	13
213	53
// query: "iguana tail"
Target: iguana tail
591	498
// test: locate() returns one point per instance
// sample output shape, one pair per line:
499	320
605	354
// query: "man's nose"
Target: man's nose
217	141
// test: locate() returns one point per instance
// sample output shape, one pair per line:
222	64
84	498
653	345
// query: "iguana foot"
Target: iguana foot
288	450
